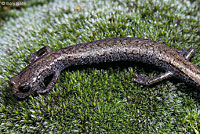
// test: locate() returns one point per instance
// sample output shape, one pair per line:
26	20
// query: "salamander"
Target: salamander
45	63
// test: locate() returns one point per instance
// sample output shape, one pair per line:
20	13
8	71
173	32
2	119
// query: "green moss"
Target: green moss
8	8
99	99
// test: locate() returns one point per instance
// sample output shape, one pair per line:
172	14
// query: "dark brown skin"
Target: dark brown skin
45	62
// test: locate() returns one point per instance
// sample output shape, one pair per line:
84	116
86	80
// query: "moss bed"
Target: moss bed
99	99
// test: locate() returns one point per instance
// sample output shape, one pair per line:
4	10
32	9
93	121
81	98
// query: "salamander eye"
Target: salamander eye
24	88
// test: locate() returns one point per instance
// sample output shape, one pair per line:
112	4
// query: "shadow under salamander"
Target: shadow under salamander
7	95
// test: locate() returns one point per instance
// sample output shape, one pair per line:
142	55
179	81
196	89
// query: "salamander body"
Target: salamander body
45	63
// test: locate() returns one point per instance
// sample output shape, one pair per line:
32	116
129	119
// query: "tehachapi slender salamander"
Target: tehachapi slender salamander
45	62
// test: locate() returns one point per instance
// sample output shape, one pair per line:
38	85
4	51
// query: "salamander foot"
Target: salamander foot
150	81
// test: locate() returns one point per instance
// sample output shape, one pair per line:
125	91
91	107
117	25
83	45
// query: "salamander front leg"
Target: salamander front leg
150	81
34	56
51	85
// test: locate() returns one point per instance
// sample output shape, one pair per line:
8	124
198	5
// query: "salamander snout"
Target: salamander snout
20	91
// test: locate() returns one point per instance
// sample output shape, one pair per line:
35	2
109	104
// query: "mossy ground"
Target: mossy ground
101	98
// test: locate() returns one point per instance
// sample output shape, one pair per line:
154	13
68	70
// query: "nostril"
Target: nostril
11	84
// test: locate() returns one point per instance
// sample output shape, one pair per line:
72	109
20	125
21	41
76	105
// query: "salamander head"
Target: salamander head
22	84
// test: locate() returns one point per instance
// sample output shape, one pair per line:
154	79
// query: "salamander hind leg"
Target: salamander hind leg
51	85
34	56
150	81
190	54
187	54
